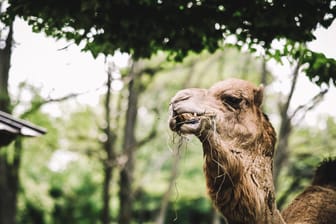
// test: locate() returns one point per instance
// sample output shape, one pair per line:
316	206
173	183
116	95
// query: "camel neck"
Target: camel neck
239	182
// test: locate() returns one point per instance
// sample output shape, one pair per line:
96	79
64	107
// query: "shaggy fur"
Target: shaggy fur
238	144
317	203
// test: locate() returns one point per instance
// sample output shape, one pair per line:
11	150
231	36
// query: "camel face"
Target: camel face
229	109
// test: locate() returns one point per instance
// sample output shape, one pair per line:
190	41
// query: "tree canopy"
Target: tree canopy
144	27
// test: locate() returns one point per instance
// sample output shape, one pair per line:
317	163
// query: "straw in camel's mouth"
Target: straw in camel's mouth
186	118
184	122
187	122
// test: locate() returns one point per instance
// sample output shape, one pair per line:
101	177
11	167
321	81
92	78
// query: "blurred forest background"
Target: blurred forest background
64	175
118	162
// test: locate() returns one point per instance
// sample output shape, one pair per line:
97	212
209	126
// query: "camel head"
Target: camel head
238	144
228	111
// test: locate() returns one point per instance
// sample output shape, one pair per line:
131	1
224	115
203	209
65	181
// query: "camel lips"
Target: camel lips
191	119
186	118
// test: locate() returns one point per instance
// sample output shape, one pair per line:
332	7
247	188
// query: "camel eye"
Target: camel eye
232	101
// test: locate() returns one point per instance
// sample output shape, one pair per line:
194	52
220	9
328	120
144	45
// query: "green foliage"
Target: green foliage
316	66
319	69
76	195
67	196
87	138
188	210
180	210
142	28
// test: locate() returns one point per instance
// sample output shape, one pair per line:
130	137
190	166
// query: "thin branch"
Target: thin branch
65	47
38	105
303	109
160	219
295	74
152	134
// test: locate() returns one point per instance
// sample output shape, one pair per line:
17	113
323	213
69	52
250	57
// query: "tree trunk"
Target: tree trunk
245	66
126	173
108	147
281	151
9	169
5	55
174	173
8	189
264	72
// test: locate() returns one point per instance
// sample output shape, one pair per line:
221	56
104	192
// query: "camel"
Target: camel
317	203
238	146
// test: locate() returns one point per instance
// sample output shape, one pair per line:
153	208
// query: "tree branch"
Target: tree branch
152	134
37	105
65	47
304	108
295	74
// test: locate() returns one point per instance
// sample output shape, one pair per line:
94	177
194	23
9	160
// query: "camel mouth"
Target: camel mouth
187	118
187	122
184	122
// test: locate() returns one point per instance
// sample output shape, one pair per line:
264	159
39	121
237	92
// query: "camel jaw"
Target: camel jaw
185	123
189	122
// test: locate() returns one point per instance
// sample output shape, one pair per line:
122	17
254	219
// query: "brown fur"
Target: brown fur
238	145
317	204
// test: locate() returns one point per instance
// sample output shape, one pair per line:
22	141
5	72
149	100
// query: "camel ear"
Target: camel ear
258	95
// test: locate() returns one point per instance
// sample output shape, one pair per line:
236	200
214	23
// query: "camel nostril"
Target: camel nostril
184	97
181	96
